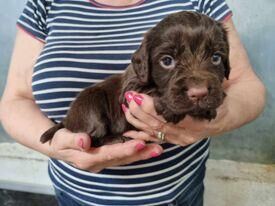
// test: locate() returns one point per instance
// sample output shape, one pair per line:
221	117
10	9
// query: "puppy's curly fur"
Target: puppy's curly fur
197	48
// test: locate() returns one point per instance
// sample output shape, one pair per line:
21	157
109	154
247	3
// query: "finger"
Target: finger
65	139
145	102
150	151
83	141
118	152
98	158
134	121
141	135
144	117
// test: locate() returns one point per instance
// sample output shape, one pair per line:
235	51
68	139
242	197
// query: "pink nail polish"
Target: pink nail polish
124	108
140	146
154	154
128	96
81	143
138	99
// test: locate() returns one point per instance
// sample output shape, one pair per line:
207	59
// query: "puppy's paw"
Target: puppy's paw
109	140
158	106
171	117
210	114
206	114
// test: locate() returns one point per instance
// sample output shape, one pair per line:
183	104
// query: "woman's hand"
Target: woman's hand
142	115
76	149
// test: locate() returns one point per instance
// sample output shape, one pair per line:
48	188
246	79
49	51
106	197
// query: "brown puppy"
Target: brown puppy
181	63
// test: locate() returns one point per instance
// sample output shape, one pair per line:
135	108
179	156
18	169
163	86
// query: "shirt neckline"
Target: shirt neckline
100	5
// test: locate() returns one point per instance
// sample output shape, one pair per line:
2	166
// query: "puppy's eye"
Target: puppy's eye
167	62
216	59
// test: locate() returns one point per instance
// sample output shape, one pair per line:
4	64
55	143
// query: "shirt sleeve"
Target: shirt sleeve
216	9
33	18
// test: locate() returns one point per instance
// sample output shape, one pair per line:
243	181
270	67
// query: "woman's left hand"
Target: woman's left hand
141	114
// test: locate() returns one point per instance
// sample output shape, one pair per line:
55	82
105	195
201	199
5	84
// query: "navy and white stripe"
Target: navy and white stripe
84	44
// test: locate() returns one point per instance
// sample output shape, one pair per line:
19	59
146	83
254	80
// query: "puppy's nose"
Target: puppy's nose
197	93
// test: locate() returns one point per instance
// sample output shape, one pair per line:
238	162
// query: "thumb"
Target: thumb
65	139
82	141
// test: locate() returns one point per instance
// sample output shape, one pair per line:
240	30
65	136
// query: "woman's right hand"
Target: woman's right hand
77	150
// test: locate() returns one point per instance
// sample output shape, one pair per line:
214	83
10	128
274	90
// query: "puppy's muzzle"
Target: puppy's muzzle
197	93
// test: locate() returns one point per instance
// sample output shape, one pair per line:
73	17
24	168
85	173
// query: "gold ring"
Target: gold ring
161	136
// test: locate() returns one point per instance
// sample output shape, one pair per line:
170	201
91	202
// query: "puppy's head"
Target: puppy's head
186	57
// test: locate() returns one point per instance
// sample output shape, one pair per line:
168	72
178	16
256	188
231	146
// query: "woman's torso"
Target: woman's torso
83	45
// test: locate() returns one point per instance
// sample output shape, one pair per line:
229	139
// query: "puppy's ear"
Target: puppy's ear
226	61
227	68
224	33
140	62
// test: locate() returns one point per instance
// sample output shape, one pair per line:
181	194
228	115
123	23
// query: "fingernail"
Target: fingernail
155	154
128	96
81	143
124	108
138	99
140	146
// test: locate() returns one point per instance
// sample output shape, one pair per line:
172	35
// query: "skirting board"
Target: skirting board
227	182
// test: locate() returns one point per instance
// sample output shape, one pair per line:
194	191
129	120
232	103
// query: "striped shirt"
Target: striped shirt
84	43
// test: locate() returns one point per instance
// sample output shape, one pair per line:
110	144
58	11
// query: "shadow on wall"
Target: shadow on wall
254	142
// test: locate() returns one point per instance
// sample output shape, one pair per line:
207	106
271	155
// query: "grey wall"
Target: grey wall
254	142
9	12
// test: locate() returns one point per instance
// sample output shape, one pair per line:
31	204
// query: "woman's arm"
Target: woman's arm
20	116
246	93
24	121
244	102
